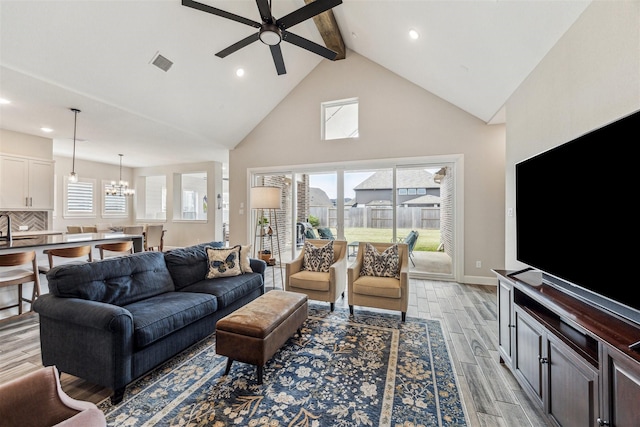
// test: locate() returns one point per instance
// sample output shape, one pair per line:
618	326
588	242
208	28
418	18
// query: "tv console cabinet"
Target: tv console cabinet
572	358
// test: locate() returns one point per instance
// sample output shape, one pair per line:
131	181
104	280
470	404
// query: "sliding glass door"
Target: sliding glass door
399	203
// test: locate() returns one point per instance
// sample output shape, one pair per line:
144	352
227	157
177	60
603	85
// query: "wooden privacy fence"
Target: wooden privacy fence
380	217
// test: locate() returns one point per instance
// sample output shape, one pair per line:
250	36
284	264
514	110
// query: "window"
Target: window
113	205
340	119
79	198
152	201
402	191
194	202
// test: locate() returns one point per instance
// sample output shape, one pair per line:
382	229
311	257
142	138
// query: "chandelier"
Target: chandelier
121	188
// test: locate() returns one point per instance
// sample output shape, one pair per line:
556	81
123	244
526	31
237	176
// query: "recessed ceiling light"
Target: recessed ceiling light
47	130
414	34
240	72
4	101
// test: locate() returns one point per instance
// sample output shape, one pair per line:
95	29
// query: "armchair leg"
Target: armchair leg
351	310
404	316
332	306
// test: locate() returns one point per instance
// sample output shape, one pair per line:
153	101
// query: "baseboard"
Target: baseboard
480	280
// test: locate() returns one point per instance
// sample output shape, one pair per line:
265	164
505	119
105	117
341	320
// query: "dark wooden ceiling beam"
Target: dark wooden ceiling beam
330	32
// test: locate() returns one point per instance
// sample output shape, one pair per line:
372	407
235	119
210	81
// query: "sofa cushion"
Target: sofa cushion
227	290
159	316
189	265
119	280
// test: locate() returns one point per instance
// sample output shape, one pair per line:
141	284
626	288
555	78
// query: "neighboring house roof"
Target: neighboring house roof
423	200
317	197
413	178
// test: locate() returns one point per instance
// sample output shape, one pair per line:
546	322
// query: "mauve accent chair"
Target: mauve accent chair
37	400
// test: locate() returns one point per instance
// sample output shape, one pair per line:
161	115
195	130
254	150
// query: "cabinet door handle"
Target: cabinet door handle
602	422
30	201
512	326
543	359
26	201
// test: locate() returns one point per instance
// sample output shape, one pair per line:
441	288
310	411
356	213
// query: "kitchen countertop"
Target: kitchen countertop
35	233
46	241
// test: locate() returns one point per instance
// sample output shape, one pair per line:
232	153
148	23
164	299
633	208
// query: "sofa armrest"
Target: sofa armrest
91	314
258	266
87	339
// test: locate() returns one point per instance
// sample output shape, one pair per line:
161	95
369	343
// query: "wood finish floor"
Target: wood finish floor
468	314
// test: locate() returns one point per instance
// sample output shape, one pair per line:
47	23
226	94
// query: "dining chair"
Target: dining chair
74	229
379	277
133	229
121	248
90	229
154	238
22	267
74	252
323	283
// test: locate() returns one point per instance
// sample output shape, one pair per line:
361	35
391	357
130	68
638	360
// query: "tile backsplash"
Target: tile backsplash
36	221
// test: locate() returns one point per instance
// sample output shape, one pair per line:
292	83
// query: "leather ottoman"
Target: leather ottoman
253	333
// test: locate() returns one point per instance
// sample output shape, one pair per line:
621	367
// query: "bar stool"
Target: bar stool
20	275
122	247
73	252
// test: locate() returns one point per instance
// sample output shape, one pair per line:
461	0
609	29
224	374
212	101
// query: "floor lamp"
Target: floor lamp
267	199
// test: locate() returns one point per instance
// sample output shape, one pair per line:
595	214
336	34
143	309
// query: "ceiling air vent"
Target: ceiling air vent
161	62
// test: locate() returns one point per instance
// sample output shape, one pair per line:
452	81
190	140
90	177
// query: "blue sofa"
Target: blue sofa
111	321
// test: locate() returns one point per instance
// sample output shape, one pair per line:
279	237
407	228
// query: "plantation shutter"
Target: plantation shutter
80	197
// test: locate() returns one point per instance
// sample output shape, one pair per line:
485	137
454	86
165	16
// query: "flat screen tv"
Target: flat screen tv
576	219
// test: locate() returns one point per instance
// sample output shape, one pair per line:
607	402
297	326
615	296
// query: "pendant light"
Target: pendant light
73	176
121	188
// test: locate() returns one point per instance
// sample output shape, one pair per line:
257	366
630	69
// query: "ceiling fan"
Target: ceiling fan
272	31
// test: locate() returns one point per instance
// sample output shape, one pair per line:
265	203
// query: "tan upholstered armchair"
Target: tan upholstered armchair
380	292
36	399
317	285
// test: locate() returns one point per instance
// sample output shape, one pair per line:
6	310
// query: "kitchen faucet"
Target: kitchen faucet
6	237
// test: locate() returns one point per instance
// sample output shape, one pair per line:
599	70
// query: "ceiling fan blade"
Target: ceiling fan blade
309	45
238	45
219	12
305	12
276	52
265	10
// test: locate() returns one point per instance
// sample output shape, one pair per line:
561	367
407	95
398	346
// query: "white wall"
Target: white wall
90	170
25	145
397	120
590	78
185	233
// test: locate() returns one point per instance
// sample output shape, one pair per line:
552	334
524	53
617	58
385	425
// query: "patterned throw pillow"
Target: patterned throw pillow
223	262
385	264
317	259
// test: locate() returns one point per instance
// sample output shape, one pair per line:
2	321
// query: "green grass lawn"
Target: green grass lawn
428	240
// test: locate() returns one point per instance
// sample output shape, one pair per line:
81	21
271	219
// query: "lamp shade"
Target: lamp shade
266	198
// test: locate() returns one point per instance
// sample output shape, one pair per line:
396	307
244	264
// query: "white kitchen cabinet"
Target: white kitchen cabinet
26	183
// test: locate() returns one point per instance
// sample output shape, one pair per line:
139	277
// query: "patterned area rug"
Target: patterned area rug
366	370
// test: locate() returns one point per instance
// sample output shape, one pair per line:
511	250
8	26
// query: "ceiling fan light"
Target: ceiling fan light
270	34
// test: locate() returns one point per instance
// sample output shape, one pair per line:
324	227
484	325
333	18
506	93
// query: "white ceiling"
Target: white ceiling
96	56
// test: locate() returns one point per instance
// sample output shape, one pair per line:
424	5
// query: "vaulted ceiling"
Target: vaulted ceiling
97	56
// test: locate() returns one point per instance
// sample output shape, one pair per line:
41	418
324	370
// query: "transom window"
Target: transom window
340	119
